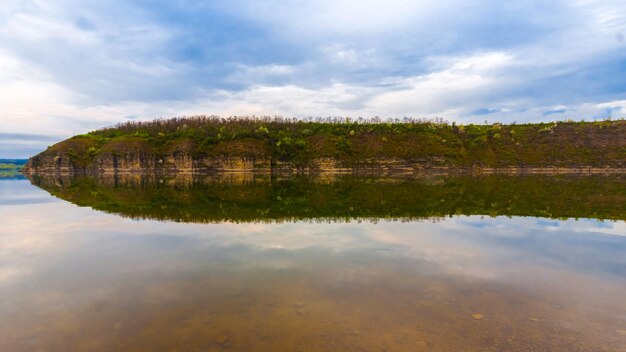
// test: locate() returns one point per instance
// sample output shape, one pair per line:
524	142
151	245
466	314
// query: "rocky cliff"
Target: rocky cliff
197	145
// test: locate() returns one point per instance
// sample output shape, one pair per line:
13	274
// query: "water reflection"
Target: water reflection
79	280
259	197
15	191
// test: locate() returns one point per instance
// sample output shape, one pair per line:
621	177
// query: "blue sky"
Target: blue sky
71	66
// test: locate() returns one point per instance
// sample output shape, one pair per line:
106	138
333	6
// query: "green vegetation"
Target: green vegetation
10	167
353	141
267	198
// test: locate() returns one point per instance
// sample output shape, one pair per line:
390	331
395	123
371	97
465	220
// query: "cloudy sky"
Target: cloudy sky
71	66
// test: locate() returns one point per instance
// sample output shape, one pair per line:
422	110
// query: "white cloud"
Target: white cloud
246	74
443	93
616	104
332	17
447	90
68	67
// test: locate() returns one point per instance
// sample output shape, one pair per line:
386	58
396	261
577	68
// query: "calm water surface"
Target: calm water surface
294	278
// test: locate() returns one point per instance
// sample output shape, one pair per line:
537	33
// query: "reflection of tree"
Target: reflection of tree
247	197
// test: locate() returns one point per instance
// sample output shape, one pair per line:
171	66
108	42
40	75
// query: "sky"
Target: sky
72	66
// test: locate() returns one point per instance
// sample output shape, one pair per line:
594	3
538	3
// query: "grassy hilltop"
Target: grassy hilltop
432	143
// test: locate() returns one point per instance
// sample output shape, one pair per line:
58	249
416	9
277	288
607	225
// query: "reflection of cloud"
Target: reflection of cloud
6	274
611	228
465	245
19	192
33	236
456	245
36	226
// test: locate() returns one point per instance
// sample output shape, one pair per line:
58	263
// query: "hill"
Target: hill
212	144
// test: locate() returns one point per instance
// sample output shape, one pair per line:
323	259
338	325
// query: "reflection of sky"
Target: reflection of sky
20	191
39	231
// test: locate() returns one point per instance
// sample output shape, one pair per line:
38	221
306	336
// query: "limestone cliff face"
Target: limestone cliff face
50	163
64	164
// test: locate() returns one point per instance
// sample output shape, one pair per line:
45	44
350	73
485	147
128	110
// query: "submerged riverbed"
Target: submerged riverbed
336	263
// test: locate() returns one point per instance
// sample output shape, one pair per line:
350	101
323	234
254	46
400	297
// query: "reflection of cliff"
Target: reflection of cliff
247	197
